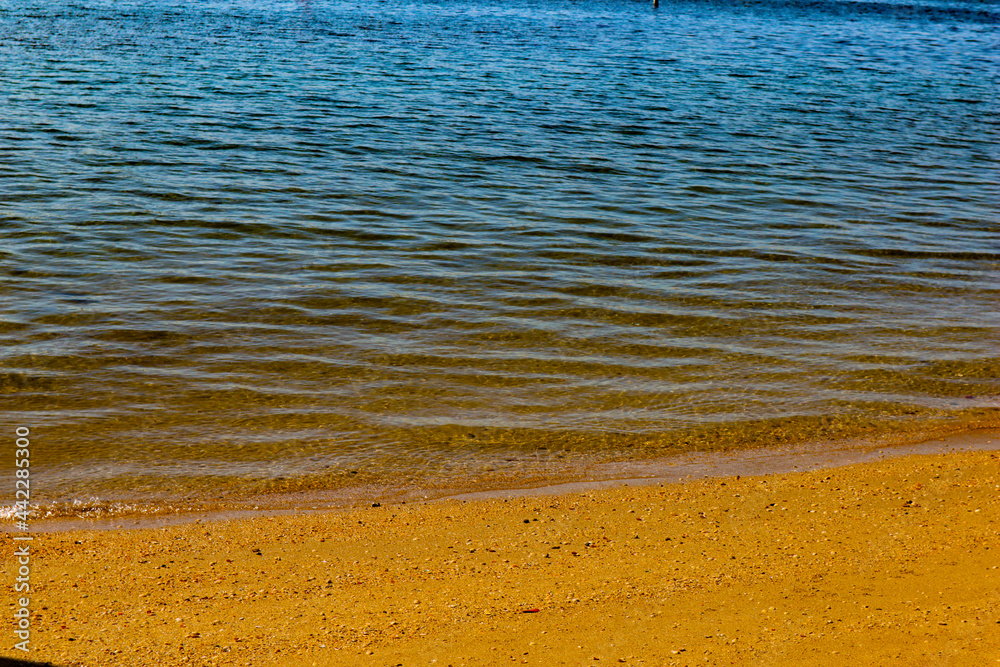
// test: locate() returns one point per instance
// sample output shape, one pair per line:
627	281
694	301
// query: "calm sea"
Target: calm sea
286	246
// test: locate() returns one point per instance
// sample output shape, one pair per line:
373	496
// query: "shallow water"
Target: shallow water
273	246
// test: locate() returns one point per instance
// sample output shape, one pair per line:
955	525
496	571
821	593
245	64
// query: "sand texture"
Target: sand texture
889	563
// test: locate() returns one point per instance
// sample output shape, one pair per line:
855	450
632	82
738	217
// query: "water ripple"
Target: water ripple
413	238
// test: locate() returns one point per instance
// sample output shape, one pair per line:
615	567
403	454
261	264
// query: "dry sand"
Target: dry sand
887	563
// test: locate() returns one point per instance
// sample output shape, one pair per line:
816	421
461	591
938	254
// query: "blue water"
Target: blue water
254	245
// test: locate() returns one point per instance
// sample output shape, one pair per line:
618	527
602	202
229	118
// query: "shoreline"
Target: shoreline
673	469
890	562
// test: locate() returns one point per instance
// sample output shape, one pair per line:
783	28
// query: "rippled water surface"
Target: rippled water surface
277	245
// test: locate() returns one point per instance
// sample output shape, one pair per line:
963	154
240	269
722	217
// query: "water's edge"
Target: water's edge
668	470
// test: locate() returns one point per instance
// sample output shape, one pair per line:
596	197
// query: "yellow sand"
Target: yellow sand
889	563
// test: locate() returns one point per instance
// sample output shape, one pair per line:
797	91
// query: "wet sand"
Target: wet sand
892	562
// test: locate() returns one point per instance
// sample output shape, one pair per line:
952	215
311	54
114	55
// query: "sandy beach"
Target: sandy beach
893	562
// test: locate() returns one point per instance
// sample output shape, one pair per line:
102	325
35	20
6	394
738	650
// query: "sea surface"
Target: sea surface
260	247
